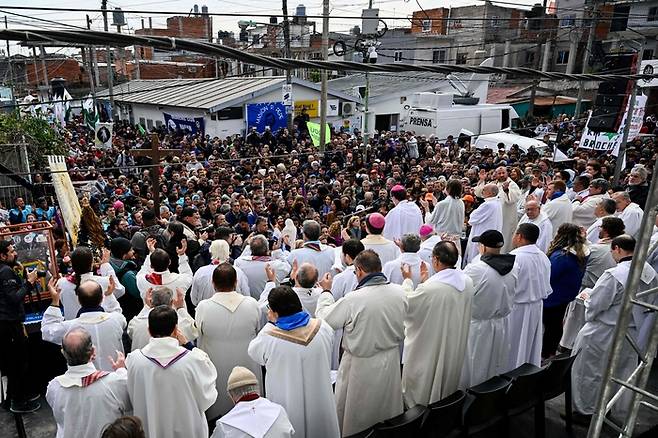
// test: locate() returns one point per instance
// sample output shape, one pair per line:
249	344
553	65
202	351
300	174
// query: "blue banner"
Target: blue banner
262	115
193	125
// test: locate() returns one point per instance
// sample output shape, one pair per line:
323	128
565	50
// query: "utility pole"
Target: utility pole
366	135
108	60
36	70
286	41
9	66
535	84
94	59
325	55
588	56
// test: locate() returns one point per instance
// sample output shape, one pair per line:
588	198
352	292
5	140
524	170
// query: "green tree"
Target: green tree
41	138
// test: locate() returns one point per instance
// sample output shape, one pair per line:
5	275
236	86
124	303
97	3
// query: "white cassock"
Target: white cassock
545	229
532	286
254	269
488	216
323	259
436	326
369	387
138	327
392	270
85	400
632	217
202	287
425	251
583	211
342	284
105	328
404	218
256	418
68	297
595	338
599	260
652	254
147	278
386	249
308	297
487	355
298	375
508	202
171	388
559	211
447	217
227	323
593	230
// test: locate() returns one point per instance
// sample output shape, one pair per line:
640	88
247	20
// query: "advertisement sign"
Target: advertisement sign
266	115
287	94
184	123
611	141
312	107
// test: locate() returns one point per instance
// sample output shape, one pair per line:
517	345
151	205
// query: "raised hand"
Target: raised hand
120	362
181	251
269	272
424	272
405	269
326	282
111	285
179	300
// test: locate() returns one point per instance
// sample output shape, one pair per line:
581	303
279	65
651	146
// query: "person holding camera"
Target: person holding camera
13	337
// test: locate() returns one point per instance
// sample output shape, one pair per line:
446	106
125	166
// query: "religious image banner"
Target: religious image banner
103	135
270	115
176	122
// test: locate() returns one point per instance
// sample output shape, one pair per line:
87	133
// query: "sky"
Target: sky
387	8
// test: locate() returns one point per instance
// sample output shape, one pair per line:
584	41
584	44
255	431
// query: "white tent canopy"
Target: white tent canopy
491	141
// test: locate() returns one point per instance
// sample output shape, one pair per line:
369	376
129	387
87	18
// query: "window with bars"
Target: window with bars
397	56
438	57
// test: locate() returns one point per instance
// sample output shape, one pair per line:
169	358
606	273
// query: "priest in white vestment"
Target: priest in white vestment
202	287
532	286
138	327
509	194
170	385
488	216
558	206
593	343
227	323
304	278
369	387
105	324
155	270
253	265
428	239
296	352
533	215
84	400
448	214
583	207
410	245
386	249
494	281
629	212
319	255
436	326
404	218
605	208
252	416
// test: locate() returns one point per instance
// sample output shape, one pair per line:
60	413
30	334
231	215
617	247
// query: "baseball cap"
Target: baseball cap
490	239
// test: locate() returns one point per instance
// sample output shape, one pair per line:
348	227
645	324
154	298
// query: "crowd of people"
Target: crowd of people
274	289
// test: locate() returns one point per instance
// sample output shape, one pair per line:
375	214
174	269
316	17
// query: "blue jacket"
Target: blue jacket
566	278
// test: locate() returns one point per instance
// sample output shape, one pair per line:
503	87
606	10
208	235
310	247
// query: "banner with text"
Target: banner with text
266	115
314	132
611	141
193	125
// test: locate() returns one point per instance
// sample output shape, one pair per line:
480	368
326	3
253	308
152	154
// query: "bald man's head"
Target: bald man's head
307	275
90	294
532	209
490	190
77	347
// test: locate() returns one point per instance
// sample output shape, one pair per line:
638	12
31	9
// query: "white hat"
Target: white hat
239	377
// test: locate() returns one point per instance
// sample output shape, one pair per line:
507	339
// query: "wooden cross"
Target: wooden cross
155	153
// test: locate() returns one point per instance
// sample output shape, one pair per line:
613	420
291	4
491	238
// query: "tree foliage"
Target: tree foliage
41	138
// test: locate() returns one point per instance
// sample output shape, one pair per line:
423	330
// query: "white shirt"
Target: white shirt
308	297
393	269
386	249
138	327
68	297
202	287
323	260
632	217
545	229
448	216
534	274
404	218
182	279
255	272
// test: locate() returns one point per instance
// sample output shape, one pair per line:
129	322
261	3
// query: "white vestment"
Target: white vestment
258	418
488	216
323	260
138	327
632	217
202	287
448	216
181	280
227	323
595	338
559	211
369	387
82	409
593	230
508	202
532	286
425	251
342	284
393	271
404	218
298	375
386	249
105	329
254	269
545	229
487	354
68	297
308	297
583	211
436	327
171	388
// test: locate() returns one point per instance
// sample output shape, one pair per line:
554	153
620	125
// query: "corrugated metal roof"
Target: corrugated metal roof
385	84
207	94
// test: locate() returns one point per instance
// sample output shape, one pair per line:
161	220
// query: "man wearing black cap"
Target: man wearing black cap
494	280
122	260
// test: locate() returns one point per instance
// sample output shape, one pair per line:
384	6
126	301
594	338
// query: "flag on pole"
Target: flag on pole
89	113
141	129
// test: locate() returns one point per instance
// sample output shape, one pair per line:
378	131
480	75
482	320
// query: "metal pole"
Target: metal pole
44	66
286	41
366	135
625	312
36	70
535	84
325	56
588	51
9	66
108	60
94	60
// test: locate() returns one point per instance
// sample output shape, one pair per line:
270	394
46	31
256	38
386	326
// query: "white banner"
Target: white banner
611	141
103	135
66	196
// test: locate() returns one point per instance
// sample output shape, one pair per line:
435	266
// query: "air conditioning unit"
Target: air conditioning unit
348	108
